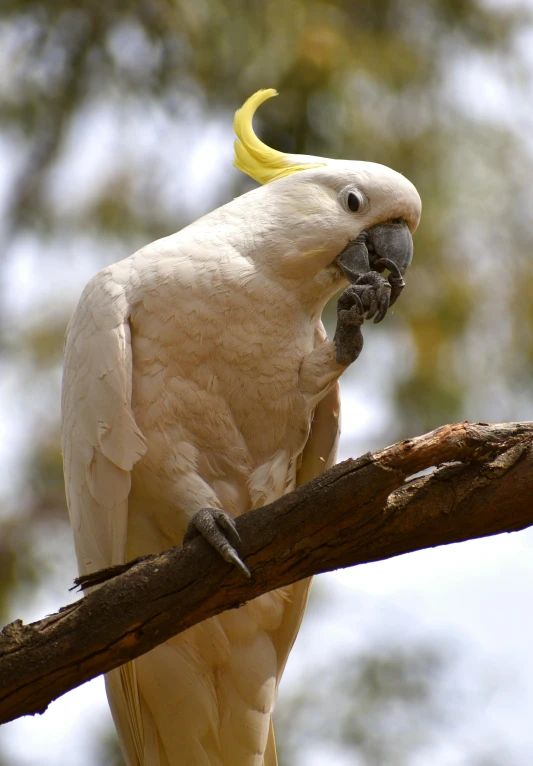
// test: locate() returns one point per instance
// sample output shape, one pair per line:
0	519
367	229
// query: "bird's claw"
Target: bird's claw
375	294
218	528
395	278
350	316
369	297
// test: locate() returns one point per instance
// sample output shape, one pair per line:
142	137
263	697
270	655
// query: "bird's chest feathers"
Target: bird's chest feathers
221	362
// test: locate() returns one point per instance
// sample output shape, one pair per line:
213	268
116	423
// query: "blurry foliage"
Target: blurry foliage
373	709
390	705
110	86
18	565
46	483
109	753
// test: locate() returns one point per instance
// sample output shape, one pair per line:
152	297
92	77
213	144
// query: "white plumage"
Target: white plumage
198	374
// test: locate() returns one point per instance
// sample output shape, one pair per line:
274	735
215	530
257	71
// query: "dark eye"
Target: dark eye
353	202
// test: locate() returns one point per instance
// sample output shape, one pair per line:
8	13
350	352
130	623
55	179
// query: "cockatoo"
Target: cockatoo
199	383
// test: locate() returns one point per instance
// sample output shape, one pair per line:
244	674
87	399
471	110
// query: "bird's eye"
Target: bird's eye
354	203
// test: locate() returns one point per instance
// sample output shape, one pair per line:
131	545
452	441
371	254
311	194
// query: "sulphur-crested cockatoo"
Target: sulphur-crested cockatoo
199	383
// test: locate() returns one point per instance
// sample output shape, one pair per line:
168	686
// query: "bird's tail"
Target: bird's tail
206	696
270	758
137	732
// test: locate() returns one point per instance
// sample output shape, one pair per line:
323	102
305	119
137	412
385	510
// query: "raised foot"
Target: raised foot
218	528
369	296
350	316
375	294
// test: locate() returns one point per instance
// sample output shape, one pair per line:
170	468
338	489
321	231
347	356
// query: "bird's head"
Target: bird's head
336	218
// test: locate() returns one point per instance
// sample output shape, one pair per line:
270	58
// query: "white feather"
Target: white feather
198	374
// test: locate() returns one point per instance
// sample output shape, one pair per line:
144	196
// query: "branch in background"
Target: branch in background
359	511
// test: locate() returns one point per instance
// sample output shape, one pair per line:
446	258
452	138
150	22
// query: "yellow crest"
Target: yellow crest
255	158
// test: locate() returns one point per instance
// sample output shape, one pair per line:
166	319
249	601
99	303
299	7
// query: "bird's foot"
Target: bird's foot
395	278
218	528
374	292
368	297
350	316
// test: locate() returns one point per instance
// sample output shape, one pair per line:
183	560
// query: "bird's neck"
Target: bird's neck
282	244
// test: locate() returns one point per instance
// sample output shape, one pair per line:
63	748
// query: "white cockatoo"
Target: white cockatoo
199	383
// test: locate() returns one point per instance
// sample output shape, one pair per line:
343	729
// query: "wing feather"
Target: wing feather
101	443
100	439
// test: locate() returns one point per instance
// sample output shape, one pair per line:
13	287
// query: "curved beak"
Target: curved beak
389	241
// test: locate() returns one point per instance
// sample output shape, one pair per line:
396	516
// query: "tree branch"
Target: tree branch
359	511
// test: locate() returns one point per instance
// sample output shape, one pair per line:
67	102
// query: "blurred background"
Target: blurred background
116	129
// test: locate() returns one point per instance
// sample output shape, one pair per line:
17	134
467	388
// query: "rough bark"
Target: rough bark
359	511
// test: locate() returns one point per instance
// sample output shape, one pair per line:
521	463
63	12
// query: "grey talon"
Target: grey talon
386	263
211	523
383	307
233	558
395	278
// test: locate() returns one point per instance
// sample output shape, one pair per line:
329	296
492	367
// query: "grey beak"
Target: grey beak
387	245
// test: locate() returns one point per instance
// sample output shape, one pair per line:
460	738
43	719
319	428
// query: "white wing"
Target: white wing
101	442
100	439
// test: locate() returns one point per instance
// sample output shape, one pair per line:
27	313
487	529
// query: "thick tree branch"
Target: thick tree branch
359	511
